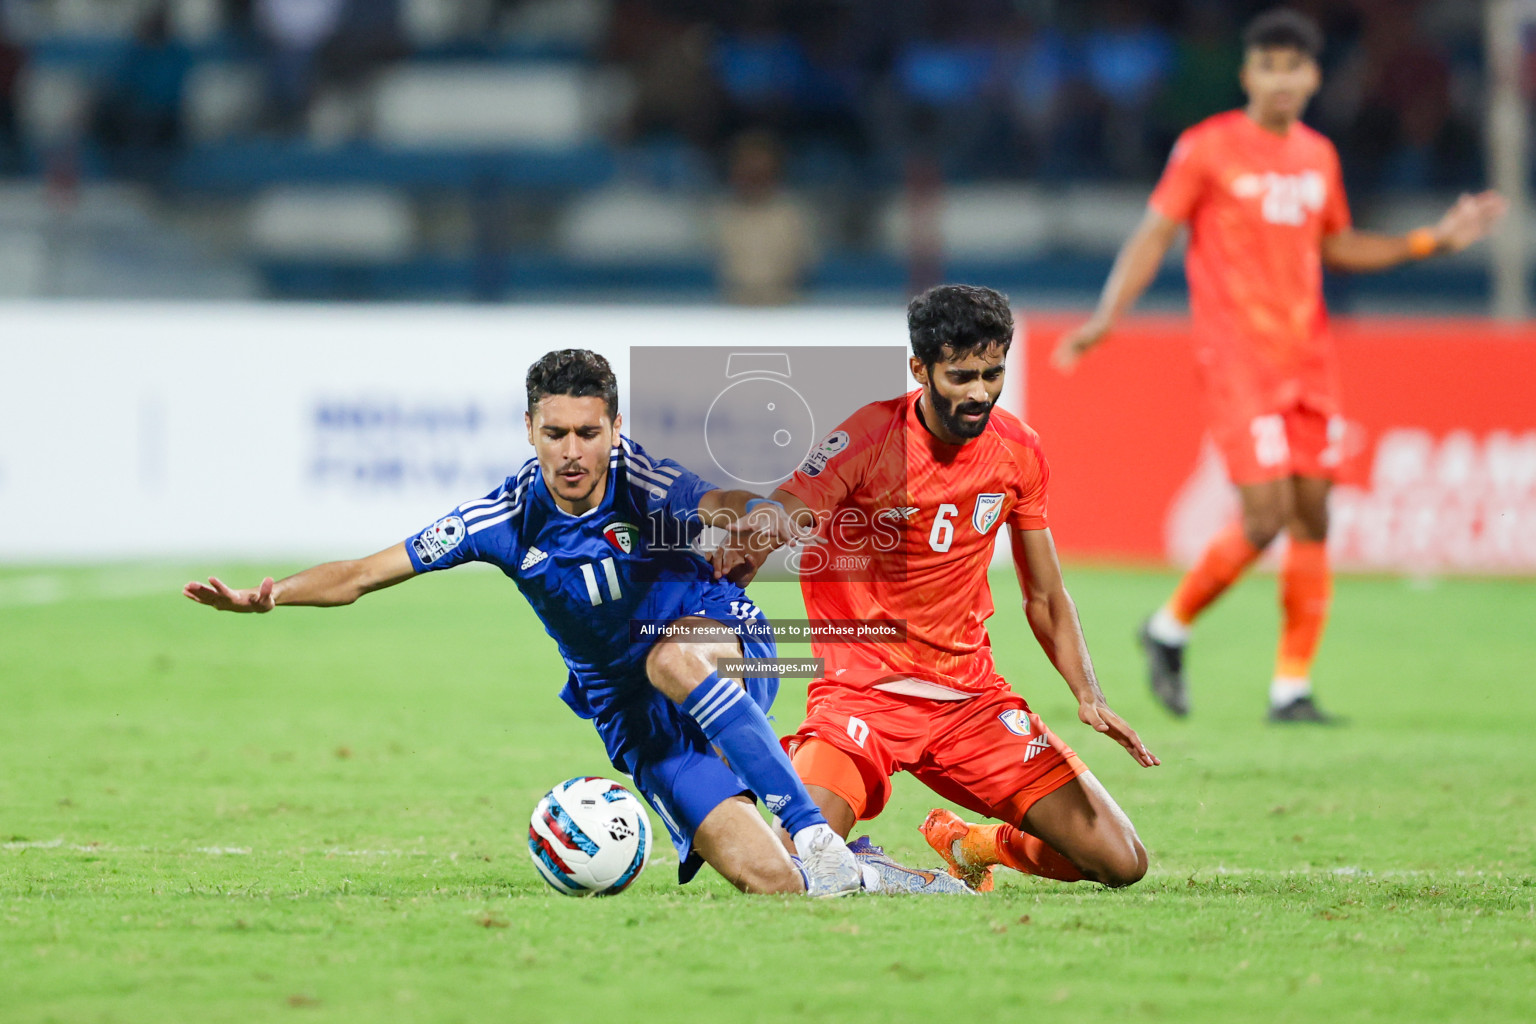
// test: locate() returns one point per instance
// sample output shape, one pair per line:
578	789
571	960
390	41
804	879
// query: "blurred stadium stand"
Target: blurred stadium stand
507	149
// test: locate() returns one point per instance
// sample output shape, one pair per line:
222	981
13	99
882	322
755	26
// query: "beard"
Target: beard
949	415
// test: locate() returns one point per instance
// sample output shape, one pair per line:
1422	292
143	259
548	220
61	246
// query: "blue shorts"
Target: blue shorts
667	756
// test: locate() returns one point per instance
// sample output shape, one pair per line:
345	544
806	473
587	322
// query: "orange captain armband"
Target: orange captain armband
1422	243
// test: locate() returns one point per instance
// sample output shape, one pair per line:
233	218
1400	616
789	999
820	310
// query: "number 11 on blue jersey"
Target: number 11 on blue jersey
610	572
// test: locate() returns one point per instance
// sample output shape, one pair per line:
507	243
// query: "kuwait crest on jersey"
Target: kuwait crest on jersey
623	536
988	508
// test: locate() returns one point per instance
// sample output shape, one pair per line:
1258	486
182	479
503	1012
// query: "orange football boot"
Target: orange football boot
969	850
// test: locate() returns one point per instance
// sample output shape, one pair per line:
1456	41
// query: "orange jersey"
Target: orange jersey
1258	206
910	523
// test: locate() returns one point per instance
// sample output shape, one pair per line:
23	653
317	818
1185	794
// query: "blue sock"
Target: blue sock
732	721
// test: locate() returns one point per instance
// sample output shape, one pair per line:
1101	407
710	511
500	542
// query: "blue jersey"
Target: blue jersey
629	560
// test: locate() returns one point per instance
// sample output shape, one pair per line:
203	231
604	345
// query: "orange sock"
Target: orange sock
1219	567
1306	588
1023	852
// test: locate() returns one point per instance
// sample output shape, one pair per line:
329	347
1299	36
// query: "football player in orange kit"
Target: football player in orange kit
906	497
1264	200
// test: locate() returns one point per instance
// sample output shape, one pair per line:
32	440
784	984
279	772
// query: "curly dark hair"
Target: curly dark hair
954	319
578	372
1284	28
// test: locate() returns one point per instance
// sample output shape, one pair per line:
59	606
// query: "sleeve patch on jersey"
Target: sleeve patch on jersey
817	461
438	539
989	507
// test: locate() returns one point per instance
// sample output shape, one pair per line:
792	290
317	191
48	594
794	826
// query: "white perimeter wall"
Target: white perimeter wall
162	431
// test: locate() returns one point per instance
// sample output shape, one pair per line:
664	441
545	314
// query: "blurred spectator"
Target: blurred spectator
1035	68
1206	59
1126	58
139	117
12	59
833	83
239	15
668	58
865	96
761	69
763	233
571	25
950	78
367	37
1405	100
293	31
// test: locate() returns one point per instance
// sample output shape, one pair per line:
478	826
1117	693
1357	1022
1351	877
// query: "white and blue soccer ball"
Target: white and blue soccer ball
589	837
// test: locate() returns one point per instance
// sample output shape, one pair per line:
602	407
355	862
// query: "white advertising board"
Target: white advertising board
158	431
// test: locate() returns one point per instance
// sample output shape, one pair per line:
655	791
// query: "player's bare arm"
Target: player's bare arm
323	586
1053	618
1135	266
1469	220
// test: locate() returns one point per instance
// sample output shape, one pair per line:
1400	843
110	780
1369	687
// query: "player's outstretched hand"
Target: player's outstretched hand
736	561
1075	342
1100	717
1469	220
215	594
752	538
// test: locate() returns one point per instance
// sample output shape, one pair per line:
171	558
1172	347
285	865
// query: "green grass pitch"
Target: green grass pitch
320	816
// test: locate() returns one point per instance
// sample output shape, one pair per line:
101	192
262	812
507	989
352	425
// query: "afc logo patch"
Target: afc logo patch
1016	721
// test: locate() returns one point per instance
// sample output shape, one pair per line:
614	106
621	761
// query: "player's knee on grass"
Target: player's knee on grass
767	879
1082	822
1115	861
737	843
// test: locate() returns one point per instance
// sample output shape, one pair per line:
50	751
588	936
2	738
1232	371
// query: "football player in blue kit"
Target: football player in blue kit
597	535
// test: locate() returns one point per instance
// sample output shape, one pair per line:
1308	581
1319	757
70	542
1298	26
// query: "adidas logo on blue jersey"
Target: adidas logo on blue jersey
531	559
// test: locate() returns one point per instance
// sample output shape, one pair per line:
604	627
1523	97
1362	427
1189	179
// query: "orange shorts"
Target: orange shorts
989	754
1297	441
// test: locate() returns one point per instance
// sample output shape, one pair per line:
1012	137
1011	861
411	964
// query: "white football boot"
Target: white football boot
826	862
893	878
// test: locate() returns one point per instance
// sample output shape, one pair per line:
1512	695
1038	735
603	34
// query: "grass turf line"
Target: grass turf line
322	813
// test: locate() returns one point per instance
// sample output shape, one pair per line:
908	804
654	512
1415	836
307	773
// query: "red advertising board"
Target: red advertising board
1442	467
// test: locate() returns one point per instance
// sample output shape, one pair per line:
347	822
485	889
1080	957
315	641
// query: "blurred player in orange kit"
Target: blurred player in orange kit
1264	200
907	495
